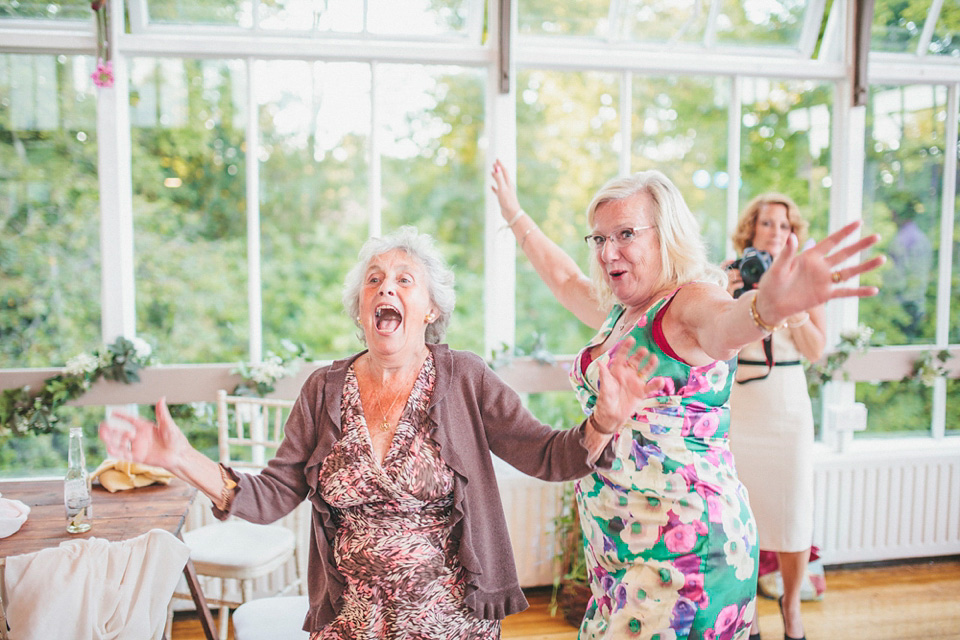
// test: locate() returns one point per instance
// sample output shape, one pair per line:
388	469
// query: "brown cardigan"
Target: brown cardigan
473	412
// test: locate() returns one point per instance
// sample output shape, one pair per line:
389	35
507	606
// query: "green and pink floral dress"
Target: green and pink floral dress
671	544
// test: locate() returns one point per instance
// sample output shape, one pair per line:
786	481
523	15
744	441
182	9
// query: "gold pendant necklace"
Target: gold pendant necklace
384	422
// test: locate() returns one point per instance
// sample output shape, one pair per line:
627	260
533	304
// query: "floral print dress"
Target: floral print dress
393	546
671	544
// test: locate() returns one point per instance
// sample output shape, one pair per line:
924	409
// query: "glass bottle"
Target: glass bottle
76	485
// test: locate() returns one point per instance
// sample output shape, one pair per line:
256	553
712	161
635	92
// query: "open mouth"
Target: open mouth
616	274
387	318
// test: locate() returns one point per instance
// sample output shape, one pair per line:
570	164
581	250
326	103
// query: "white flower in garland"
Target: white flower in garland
141	348
81	365
268	371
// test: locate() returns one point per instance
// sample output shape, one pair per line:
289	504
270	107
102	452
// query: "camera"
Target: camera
752	266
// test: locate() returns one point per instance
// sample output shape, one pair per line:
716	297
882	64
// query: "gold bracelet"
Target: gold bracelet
523	239
513	220
226	494
795	325
757	320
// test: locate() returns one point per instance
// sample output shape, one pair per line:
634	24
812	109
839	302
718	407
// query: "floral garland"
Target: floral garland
260	378
823	371
103	75
928	367
22	412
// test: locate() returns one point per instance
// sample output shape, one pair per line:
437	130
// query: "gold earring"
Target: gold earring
358	319
429	317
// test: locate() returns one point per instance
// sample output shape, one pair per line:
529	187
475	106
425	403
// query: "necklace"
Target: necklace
384	422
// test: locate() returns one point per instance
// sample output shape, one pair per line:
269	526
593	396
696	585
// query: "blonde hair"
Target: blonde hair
683	254
747	225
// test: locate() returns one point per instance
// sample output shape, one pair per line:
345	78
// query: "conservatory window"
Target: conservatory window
449	19
781	27
46	10
918	27
49	209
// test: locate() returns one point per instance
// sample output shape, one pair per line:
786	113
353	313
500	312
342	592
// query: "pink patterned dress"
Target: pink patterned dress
393	543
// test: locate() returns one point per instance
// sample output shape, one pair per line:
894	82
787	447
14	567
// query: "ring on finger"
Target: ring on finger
836	277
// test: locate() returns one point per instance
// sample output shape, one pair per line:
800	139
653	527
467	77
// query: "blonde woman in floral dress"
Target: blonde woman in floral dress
671	544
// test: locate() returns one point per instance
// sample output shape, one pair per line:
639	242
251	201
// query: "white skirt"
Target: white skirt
771	437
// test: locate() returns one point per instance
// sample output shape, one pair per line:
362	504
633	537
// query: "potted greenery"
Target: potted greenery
571	589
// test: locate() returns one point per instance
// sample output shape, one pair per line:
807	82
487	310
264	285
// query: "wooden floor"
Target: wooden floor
903	602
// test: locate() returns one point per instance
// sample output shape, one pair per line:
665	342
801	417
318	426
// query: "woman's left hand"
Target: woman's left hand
799	281
624	383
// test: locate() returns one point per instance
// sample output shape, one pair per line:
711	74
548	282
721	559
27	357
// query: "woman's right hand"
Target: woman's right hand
624	383
734	279
505	191
158	444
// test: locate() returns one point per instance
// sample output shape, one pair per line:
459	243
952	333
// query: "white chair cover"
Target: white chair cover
93	589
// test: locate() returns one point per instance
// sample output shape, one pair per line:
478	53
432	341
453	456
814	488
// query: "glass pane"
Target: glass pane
214	12
954	332
662	21
418	17
340	15
946	35
292	15
897	24
189	201
431	121
567	148
563	17
46	10
49	210
314	135
45	454
953	407
680	128
895	408
761	22
786	145
902	190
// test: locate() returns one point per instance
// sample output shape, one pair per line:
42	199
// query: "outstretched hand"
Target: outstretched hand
158	444
505	191
624	383
799	281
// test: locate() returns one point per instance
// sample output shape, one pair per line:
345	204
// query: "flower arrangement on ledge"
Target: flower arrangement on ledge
928	367
260	378
23	412
821	372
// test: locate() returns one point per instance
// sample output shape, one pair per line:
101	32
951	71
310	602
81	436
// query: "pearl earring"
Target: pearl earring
429	317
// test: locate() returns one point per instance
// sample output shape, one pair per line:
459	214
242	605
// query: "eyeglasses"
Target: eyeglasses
620	238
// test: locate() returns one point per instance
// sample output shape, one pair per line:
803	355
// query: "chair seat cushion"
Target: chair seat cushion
239	549
278	618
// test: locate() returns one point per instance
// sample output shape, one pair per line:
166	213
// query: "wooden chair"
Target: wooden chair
250	430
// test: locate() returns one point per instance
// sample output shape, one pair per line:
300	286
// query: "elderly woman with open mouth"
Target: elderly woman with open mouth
392	447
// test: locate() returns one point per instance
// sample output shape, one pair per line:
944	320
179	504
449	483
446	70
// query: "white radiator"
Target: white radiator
530	505
877	507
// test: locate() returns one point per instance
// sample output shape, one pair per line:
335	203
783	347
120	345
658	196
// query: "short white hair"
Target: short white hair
421	247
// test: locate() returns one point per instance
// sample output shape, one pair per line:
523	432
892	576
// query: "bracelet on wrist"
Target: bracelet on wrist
799	323
757	320
523	239
514	219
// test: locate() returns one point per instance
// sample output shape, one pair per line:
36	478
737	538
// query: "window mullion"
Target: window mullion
254	279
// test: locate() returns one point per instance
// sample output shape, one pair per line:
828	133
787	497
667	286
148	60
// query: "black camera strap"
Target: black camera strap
768	360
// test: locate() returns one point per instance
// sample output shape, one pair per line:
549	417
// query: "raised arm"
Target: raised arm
162	444
568	283
705	324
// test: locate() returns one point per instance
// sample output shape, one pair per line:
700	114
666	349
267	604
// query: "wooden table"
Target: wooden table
115	517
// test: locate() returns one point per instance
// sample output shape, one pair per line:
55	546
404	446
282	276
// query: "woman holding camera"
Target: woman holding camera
771	422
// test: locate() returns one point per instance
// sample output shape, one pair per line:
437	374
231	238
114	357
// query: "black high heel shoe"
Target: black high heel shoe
785	636
754	636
